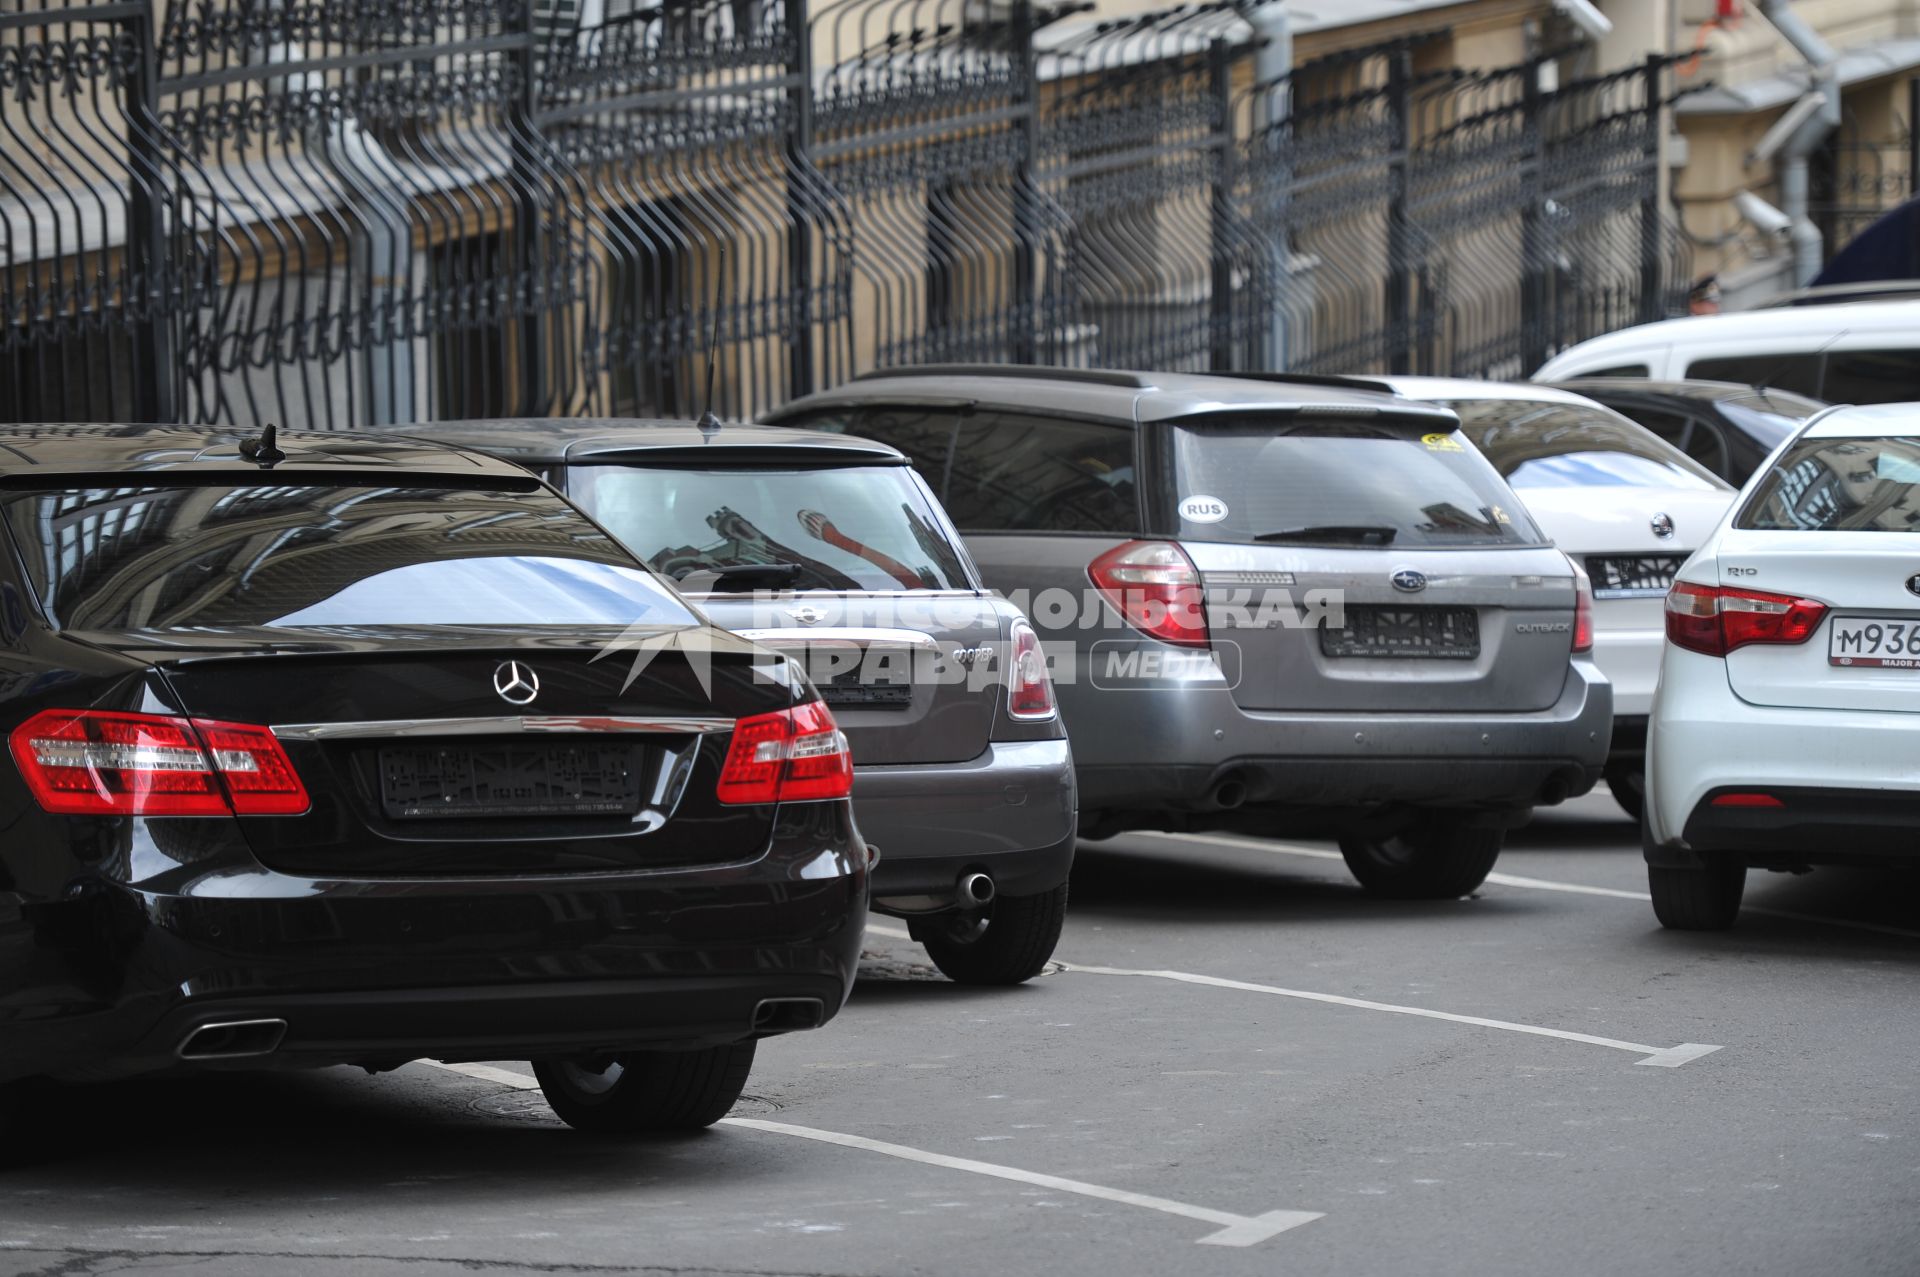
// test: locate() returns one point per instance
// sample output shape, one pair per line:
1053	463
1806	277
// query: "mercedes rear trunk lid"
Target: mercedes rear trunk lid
450	670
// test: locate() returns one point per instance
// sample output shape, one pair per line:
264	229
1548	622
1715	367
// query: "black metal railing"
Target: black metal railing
388	210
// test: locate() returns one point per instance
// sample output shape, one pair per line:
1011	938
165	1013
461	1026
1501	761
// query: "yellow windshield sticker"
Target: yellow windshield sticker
1441	443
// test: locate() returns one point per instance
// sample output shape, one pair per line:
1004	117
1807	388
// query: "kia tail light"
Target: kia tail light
99	763
1156	589
1716	619
1029	689
790	755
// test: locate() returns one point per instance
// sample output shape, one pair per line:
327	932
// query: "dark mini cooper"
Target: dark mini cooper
333	750
834	551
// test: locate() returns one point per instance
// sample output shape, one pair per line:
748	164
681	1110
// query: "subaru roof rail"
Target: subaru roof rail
1085	376
1332	381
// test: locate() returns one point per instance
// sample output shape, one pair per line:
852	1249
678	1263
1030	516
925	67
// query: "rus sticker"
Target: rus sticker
1203	509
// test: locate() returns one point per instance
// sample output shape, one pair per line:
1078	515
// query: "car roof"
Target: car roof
1439	388
1814	322
1696	391
54	449
1867	419
572	440
1129	396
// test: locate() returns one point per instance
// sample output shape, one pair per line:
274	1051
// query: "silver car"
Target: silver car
832	551
1298	606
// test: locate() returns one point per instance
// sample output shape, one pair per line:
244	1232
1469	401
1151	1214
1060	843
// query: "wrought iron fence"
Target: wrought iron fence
386	210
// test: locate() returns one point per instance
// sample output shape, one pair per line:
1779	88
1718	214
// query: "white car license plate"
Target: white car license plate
1874	643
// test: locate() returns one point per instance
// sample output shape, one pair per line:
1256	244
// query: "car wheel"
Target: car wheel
1628	782
1704	899
647	1092
1436	860
1007	942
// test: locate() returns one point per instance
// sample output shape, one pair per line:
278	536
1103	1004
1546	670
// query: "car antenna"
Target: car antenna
1766	383
264	448
709	424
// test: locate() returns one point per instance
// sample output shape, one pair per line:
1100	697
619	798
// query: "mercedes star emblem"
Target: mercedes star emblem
1662	525
516	683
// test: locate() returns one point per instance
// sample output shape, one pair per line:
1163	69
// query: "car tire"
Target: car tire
1007	942
647	1092
1704	899
1436	860
1628	784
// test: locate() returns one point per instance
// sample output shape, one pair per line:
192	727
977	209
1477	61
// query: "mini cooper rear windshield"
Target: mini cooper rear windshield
153	556
848	528
1538	444
1846	484
1340	483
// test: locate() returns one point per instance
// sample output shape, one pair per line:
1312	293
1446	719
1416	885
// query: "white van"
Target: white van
1867	352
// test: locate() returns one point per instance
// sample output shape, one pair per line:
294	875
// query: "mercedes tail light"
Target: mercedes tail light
1156	589
790	755
99	763
1029	689
1716	619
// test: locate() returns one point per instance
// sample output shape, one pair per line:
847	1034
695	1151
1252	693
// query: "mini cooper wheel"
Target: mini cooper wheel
1436	859
1703	899
647	1092
1006	942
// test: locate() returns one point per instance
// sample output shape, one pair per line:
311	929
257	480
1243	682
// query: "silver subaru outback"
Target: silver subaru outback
1279	605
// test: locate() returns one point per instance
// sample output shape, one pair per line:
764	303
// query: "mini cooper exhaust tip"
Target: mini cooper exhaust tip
786	1015
232	1040
974	889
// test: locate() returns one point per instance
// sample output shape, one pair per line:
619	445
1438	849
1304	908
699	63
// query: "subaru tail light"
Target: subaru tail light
1582	611
1156	589
98	763
1716	619
1029	689
790	755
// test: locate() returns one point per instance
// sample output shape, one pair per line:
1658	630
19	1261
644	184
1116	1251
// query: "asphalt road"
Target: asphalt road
1286	1111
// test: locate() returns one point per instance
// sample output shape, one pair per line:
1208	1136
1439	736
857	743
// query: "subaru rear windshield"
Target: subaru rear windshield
1537	444
1340	483
160	557
744	530
1844	484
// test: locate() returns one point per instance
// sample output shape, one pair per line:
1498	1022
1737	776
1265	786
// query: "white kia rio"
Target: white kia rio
1624	504
1787	721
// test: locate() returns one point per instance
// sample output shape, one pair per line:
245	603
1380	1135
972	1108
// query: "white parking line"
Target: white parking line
1664	1057
1233	1230
1532	884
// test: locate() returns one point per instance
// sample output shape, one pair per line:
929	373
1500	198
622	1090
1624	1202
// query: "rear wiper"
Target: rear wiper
1364	534
735	572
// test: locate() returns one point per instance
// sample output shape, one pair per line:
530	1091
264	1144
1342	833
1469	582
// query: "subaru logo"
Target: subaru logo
807	614
1409	581
516	683
1913	584
1662	525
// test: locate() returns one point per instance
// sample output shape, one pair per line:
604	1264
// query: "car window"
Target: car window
1798	373
1288	481
1869	484
845	528
1538	444
1001	471
1706	443
1871	376
1762	420
158	556
1670	426
1619	370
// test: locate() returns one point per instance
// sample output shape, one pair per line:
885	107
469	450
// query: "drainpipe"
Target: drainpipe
1273	66
1822	120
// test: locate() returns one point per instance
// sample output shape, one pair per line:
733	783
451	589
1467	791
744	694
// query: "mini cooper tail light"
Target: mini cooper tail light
1716	619
1029	689
99	763
1156	589
791	755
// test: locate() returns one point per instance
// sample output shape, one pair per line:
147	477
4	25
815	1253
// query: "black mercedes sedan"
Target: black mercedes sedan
340	750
